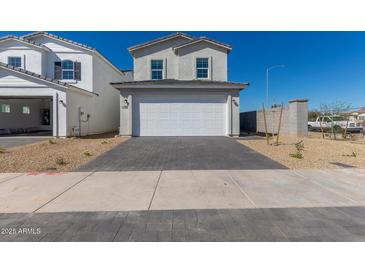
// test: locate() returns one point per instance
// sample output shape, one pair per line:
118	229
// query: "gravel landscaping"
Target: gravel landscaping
317	153
56	154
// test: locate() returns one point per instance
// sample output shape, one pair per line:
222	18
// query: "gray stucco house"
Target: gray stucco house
180	88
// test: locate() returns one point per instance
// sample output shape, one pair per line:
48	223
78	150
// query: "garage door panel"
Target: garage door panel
179	115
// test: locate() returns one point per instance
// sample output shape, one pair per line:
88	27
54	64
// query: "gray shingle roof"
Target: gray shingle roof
42	77
23	40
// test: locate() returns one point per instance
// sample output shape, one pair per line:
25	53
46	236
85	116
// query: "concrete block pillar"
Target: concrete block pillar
298	117
235	114
125	128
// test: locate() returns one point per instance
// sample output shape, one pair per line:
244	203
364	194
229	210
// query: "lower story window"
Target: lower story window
5	108
26	110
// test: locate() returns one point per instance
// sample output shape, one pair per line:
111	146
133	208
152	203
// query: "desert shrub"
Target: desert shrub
297	155
52	142
299	148
353	154
87	153
60	161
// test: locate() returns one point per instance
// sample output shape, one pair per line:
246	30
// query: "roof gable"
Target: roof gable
206	40
160	40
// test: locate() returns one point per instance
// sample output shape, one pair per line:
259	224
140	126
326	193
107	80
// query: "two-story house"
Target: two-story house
55	86
180	88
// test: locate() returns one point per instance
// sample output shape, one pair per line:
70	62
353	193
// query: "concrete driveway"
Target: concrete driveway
9	142
180	153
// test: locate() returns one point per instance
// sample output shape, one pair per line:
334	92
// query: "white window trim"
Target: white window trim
196	68
162	70
21	60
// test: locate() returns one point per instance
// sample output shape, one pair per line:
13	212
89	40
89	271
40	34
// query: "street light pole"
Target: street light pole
267	81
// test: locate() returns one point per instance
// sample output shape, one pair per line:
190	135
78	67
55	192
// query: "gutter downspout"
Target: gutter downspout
231	117
57	117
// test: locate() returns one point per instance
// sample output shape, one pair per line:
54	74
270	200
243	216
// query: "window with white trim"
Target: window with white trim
5	108
26	109
156	69
15	61
202	68
68	70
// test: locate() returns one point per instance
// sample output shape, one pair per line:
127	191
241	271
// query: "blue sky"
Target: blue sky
322	66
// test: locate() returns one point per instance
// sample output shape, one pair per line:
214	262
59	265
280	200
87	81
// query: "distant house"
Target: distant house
55	86
358	114
180	88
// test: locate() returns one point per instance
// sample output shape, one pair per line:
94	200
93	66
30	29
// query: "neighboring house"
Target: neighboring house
55	86
180	88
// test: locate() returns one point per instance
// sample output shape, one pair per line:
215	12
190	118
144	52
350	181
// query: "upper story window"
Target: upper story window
202	68
68	71
15	62
156	69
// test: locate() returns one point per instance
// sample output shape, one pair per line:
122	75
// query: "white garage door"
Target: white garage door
179	115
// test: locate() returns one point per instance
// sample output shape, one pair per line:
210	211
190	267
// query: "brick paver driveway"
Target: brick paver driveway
180	153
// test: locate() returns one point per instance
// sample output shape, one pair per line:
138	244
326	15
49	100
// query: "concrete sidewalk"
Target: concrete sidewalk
175	190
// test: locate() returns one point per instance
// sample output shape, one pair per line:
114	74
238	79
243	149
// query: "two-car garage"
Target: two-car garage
179	115
179	108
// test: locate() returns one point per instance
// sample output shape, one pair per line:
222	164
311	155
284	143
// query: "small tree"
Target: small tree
336	108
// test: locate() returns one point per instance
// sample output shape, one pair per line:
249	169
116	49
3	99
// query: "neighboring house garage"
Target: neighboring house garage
27	115
36	105
179	108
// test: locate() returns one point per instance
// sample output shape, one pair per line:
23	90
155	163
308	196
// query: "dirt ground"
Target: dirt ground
317	153
56	154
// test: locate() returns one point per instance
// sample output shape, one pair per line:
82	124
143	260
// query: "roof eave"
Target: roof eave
220	86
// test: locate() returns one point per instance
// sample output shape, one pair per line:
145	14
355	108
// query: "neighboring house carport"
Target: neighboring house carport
179	108
31	103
